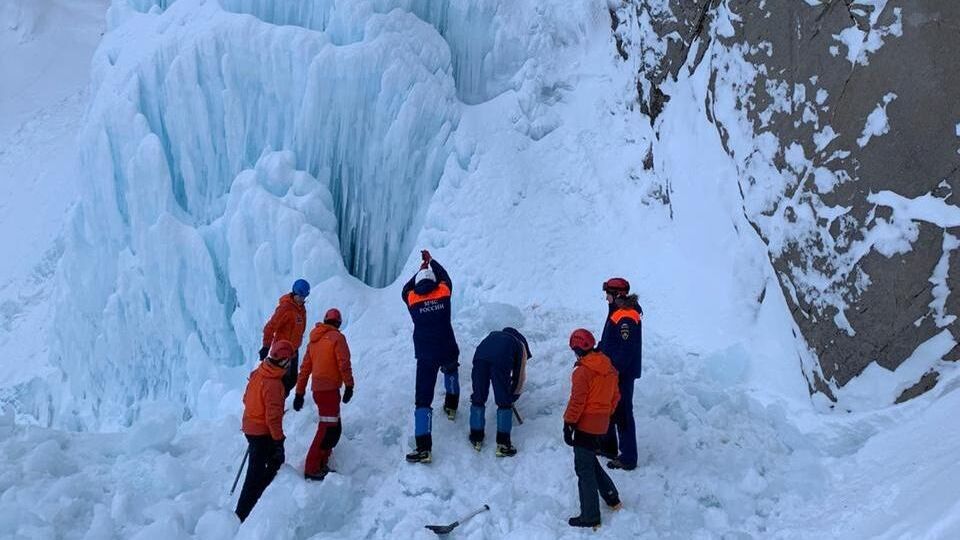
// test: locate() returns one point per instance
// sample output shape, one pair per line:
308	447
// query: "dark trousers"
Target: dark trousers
496	373
621	438
427	370
592	483
427	380
328	431
260	472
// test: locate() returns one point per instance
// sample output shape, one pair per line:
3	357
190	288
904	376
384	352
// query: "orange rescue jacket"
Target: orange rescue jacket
594	394
288	322
327	359
263	402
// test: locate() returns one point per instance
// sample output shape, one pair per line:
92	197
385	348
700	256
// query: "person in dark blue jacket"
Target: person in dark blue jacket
500	361
622	342
427	296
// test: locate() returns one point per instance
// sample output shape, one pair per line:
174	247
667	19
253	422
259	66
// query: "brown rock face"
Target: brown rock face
842	116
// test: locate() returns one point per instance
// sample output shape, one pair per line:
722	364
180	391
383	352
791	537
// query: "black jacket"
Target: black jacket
622	339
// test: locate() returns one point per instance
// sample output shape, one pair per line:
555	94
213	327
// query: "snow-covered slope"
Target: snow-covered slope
232	146
45	66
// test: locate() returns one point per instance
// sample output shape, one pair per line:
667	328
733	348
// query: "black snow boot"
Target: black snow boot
419	456
450	403
324	471
580	522
617	464
476	439
506	450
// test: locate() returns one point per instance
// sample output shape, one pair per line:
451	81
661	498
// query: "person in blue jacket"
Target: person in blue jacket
427	296
500	361
622	342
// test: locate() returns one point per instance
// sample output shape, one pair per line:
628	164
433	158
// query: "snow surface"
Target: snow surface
213	166
43	93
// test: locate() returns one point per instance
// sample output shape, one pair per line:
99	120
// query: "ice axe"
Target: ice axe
447	529
244	462
240	470
516	414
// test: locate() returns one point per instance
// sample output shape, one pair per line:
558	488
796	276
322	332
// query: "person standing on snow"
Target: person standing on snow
621	342
263	424
593	397
427	296
328	362
289	321
500	360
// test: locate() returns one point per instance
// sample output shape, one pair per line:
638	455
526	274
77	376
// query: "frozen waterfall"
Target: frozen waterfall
365	133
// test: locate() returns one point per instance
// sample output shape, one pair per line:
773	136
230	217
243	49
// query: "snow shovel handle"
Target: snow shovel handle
442	530
467	517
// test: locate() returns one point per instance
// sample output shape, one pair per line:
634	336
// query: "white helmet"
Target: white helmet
425	274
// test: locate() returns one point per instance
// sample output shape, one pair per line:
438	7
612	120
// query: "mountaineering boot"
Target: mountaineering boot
579	522
320	475
504	423
613	501
419	456
617	464
451	385
450	403
476	434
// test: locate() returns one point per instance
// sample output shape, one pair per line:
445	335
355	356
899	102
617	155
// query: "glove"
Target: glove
516	397
264	352
297	402
278	456
568	430
347	394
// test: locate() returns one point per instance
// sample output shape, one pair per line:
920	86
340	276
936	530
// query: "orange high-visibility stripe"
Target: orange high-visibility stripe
621	314
442	291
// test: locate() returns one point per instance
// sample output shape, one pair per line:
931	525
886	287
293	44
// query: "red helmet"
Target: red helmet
582	340
616	286
281	350
333	315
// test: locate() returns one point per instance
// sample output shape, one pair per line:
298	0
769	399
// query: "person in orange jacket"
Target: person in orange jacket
288	322
328	362
593	398
263	424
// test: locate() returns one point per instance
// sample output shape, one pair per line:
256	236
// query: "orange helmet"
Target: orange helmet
616	286
282	350
582	340
333	316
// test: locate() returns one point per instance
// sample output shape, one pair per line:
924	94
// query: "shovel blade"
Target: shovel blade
442	529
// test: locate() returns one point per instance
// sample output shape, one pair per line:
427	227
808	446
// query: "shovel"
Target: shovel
447	529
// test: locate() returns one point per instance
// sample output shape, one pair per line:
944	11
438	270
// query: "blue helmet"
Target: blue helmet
301	288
